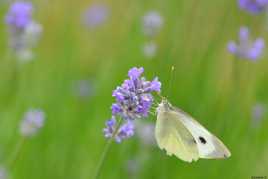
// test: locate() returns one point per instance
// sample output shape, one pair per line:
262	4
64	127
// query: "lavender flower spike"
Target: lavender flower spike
133	101
253	6
246	48
32	122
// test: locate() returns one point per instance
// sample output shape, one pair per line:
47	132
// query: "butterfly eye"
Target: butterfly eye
202	140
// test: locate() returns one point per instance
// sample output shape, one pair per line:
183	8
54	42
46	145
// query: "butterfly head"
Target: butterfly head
164	106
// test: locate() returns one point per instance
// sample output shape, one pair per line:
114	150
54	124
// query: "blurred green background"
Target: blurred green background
219	90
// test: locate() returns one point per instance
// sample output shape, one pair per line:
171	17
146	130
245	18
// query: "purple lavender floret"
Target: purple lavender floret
155	85
19	15
135	73
253	6
125	131
245	47
110	128
116	109
133	97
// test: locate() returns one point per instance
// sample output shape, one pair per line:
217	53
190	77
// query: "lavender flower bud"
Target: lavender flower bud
135	73
33	120
110	128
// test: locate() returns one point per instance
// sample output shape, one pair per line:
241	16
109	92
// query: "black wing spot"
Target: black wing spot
202	140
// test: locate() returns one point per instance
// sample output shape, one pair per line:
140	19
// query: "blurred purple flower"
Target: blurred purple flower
133	97
133	167
24	32
95	15
145	133
149	50
253	6
133	101
3	173
257	113
152	23
84	88
245	48
32	122
19	15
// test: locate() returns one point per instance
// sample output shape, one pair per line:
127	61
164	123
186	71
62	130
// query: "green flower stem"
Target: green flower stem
16	154
105	151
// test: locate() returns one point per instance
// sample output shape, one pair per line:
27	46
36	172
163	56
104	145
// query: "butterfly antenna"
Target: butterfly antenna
171	79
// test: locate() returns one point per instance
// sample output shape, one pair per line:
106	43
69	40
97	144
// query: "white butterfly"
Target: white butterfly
179	134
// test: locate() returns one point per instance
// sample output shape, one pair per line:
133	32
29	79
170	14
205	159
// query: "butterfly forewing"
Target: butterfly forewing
209	146
174	137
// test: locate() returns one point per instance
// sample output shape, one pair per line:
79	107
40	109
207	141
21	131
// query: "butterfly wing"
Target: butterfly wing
209	146
174	137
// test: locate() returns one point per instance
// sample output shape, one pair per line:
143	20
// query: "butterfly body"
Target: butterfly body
180	135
